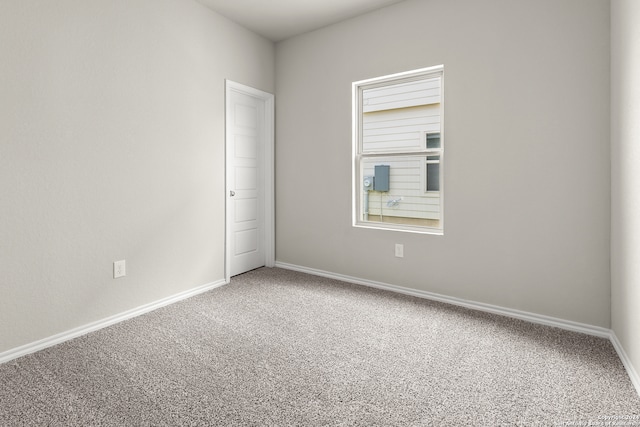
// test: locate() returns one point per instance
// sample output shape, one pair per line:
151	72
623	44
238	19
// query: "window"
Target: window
432	174
398	149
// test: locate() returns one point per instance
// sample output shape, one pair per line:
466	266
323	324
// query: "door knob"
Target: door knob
232	193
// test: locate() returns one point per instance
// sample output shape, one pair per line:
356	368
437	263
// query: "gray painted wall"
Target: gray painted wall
625	176
112	147
527	173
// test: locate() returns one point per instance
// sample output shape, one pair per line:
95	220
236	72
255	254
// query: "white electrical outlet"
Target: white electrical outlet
399	250
119	269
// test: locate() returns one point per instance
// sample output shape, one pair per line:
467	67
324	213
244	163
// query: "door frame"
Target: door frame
268	167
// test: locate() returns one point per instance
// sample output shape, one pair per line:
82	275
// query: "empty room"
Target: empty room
320	212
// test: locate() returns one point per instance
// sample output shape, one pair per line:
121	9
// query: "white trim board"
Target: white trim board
534	318
523	315
103	323
633	374
503	311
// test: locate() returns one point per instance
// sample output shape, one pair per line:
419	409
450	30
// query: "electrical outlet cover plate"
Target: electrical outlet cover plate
399	250
119	269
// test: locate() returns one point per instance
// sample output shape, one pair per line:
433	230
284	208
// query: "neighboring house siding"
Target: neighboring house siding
397	118
403	128
405	183
410	94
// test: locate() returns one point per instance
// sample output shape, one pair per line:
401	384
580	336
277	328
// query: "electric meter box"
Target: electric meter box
367	183
381	181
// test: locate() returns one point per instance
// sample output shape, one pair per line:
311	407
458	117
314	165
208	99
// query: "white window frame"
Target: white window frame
358	155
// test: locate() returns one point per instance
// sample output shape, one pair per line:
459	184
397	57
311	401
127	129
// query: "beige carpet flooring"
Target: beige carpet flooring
281	348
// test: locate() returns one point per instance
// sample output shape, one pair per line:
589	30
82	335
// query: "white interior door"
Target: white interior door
249	144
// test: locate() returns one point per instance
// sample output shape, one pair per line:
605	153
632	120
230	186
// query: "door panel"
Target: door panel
246	123
246	210
246	242
246	177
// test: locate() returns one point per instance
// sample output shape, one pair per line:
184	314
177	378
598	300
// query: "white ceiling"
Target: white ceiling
280	19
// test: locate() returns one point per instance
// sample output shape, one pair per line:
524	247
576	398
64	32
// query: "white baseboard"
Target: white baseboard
523	315
633	375
94	326
530	317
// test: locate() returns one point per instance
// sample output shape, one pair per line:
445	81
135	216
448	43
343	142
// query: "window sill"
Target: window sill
401	228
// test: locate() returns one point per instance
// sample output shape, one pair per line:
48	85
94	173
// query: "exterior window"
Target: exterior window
432	174
398	147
